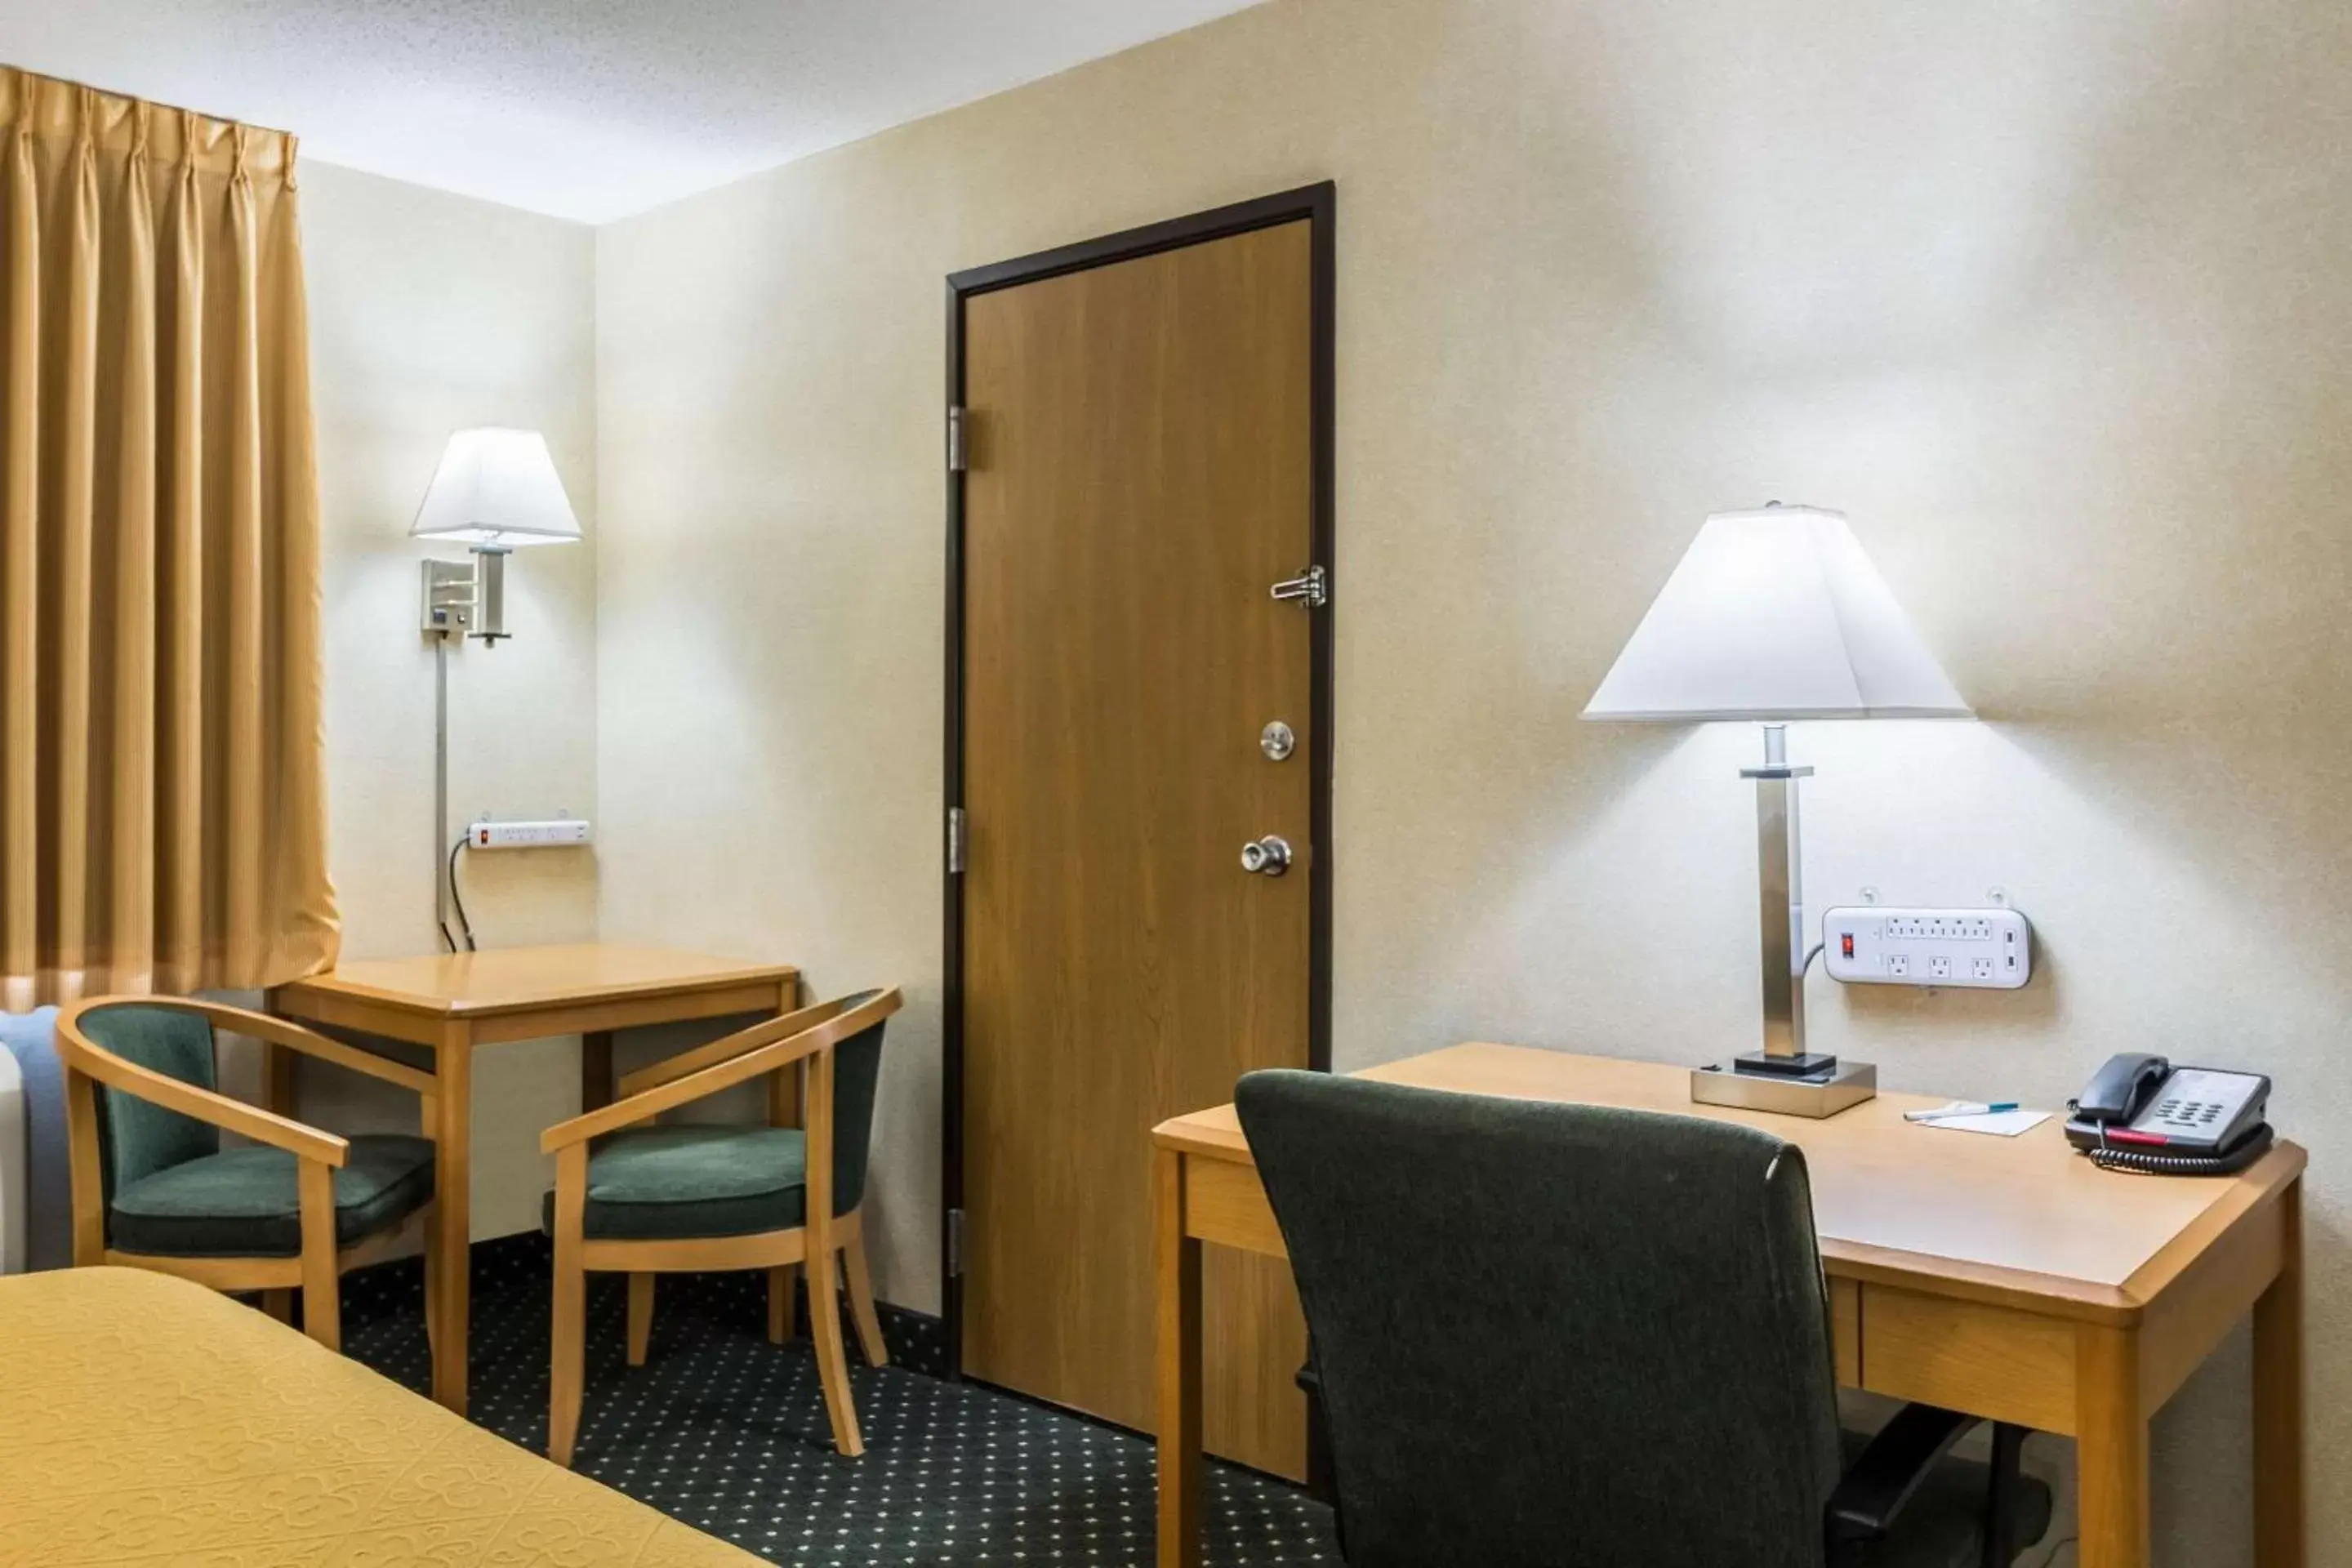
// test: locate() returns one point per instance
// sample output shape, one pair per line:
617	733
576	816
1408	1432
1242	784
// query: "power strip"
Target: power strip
561	833
1870	944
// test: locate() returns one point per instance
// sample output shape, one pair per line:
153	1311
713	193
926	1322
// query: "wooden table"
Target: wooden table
452	1003
2008	1278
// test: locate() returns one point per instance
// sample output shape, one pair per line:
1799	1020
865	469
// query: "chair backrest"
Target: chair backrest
138	1138
856	1076
1555	1334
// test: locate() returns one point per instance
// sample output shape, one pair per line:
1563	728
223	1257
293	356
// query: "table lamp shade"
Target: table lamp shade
497	488
1775	614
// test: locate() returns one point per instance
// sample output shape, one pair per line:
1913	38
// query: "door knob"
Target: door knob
1266	856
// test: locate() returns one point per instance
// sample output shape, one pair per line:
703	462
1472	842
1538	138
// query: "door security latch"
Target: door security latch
1311	587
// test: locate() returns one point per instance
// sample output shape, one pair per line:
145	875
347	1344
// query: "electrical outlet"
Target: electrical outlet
559	833
1873	944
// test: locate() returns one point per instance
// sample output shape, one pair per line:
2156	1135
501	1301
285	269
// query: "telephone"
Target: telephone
2141	1113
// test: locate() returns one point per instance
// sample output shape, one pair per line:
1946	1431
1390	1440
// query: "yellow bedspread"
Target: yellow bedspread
147	1420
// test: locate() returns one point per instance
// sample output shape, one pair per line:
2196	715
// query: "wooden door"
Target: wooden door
1140	471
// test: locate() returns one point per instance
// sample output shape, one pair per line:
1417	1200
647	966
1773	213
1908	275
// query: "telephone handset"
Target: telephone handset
2142	1113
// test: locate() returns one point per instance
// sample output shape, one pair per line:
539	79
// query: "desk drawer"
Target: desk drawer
1994	1362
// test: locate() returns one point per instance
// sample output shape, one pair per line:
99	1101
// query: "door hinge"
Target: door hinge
956	454
955	840
1311	587
955	1244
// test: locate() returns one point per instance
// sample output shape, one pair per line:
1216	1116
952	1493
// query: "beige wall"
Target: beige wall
2052	299
429	313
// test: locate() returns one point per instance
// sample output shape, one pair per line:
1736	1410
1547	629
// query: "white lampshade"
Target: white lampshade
1775	614
496	486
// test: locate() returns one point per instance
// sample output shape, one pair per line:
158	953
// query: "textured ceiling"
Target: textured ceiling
587	109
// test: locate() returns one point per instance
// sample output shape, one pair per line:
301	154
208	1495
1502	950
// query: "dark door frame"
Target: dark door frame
1318	205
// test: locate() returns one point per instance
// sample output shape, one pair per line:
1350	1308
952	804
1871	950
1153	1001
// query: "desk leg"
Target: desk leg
2110	1447
453	1213
1181	1462
277	1067
278	1097
2279	1529
596	1069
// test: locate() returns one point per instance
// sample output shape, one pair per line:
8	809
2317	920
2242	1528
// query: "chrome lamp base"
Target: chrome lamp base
1842	1086
1784	1078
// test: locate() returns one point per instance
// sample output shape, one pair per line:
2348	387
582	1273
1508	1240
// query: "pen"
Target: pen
1946	1112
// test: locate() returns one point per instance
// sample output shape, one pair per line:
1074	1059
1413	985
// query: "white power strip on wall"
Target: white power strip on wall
560	832
1873	944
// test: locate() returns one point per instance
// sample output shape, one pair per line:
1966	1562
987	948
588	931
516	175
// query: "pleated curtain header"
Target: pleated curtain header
46	106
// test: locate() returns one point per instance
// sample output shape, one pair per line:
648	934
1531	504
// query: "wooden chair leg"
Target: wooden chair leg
432	1283
780	1282
641	1316
569	1336
832	1358
278	1304
322	1284
861	1302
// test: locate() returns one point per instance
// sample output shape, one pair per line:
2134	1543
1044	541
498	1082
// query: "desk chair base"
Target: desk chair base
1843	1086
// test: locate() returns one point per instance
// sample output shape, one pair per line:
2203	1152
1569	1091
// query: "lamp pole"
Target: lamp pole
1781	908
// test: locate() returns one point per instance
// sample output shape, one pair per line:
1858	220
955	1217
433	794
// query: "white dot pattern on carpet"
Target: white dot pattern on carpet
726	1432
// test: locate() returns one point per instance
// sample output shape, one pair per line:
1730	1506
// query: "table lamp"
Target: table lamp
1776	615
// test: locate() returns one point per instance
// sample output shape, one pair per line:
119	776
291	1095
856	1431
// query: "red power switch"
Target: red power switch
1845	944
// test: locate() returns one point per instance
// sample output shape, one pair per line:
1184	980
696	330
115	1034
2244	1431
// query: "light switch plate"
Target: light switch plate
1875	944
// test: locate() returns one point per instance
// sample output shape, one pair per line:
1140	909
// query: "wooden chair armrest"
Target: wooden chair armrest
92	1060
310	1042
740	1067
670	1069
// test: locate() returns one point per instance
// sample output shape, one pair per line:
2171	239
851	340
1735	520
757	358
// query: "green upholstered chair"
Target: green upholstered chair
635	1197
1579	1336
153	1186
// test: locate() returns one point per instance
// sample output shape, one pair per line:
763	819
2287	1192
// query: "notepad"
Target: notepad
2000	1123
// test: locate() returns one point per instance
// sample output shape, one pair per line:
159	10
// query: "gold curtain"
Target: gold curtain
163	823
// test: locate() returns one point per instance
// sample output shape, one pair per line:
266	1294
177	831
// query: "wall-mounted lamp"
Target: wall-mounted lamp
1776	615
496	490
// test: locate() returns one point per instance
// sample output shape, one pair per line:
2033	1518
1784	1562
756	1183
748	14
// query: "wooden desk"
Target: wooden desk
2004	1277
452	1003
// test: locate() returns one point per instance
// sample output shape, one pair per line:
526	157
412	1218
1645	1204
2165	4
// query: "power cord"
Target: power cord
456	901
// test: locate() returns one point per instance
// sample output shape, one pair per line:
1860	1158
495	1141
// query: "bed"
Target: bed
144	1419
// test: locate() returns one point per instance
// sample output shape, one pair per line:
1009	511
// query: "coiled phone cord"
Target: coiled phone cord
2147	1162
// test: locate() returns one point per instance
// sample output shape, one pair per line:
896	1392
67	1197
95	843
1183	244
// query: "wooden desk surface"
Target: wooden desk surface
2020	1218
520	979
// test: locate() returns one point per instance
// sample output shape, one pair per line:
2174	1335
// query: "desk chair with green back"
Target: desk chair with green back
687	1197
1575	1336
153	1187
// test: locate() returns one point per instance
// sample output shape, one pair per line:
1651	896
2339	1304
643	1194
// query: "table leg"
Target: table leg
596	1069
2279	1527
277	1067
453	1213
1181	1463
2110	1449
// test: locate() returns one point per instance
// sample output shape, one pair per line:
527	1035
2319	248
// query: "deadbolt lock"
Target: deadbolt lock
1266	856
1277	741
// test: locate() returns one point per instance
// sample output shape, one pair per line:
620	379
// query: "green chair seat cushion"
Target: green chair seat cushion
245	1202
681	1181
